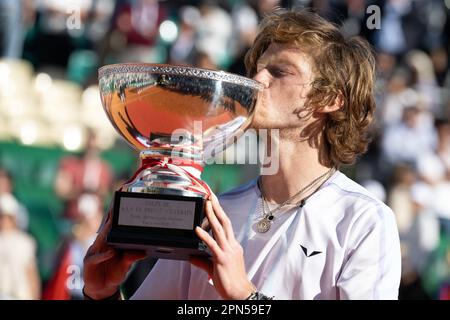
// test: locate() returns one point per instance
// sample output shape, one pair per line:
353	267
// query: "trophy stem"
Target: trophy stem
171	175
191	161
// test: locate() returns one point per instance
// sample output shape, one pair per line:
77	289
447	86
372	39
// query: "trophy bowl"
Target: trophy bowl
178	118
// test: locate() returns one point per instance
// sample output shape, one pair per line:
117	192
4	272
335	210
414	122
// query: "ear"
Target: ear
336	105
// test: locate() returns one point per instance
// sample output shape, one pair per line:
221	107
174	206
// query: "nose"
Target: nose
263	76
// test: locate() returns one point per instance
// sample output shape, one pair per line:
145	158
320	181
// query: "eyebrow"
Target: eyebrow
283	61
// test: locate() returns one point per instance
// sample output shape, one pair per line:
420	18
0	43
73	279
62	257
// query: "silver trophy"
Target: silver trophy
178	118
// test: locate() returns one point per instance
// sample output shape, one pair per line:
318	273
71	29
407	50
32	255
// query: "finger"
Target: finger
204	264
109	219
209	241
100	257
205	224
106	225
216	227
222	217
100	241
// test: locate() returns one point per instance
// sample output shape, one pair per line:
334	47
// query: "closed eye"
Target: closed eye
278	72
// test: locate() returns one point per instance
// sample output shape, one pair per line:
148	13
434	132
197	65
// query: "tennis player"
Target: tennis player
308	231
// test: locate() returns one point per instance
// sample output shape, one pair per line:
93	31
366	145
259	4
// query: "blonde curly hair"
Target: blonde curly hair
344	69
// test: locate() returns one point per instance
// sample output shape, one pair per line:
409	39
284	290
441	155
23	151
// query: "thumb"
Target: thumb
202	263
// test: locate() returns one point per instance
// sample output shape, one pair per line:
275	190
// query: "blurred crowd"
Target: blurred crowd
49	54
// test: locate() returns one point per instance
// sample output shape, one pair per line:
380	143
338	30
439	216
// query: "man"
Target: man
409	140
306	232
73	249
19	276
86	174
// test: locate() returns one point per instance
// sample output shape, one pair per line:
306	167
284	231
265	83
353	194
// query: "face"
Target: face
286	74
6	222
5	184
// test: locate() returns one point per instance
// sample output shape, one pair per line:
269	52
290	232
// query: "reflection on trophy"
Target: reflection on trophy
178	118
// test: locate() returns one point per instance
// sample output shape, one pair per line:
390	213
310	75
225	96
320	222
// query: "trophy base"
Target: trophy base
162	225
162	249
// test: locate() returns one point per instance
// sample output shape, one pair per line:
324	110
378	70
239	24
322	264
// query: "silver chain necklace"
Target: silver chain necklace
265	222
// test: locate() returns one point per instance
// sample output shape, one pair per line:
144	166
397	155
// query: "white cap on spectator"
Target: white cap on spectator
8	205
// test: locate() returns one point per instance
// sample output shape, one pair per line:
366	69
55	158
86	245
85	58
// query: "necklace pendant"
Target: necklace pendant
263	225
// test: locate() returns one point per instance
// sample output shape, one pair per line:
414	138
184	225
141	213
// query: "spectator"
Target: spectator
138	24
406	141
19	277
66	282
183	49
6	187
89	173
418	228
425	82
439	58
400	200
397	93
214	32
15	17
434	168
402	28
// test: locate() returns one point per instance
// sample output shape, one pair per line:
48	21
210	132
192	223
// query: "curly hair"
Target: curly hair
343	68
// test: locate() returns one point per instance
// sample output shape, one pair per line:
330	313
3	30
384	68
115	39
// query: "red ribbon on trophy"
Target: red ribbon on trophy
181	167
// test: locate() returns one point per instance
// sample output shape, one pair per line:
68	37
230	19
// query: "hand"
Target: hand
227	268
105	268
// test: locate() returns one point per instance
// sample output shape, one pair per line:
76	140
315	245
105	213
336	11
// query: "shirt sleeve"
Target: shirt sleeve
168	280
373	265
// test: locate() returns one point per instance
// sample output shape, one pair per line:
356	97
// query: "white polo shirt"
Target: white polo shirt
343	244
